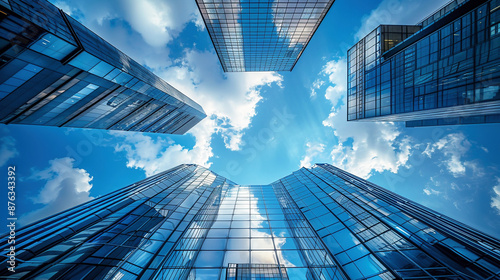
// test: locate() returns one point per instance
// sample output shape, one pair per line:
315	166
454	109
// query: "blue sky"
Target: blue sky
261	126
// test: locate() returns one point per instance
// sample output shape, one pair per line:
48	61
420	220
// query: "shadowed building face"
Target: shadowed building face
56	72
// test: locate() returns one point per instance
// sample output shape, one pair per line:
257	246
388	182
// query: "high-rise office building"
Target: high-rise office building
443	71
190	223
261	35
56	72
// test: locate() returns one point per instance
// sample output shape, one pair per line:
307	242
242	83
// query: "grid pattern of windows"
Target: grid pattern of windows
252	225
257	271
72	100
50	45
407	238
48	78
438	73
266	35
447	8
18	79
43	14
190	223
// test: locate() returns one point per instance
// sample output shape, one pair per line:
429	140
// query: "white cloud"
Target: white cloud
473	165
363	147
453	147
316	85
65	187
431	191
142	29
336	70
398	12
367	147
158	22
8	149
154	154
313	149
230	98
495	200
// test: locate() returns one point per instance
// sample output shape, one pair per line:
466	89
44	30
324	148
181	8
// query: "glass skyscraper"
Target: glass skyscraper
443	71
56	72
190	223
262	35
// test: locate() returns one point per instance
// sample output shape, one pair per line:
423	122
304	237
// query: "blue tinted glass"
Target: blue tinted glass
84	61
218	233
209	259
290	258
265	38
352	271
421	258
238	244
134	235
206	274
369	266
52	46
236	257
18	79
101	69
264	257
214	244
395	260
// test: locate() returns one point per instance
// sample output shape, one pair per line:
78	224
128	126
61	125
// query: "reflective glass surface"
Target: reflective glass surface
442	72
56	72
264	35
50	45
21	76
190	223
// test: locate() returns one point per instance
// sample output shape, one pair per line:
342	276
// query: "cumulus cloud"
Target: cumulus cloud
367	147
158	22
154	154
336	70
398	12
453	147
8	149
495	199
363	147
142	29
313	149
230	98
65	187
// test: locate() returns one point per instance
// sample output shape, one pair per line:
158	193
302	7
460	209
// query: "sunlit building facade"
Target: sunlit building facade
267	35
56	72
190	223
443	71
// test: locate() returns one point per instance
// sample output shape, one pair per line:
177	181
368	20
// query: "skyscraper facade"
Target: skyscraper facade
56	72
190	223
443	71
267	35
